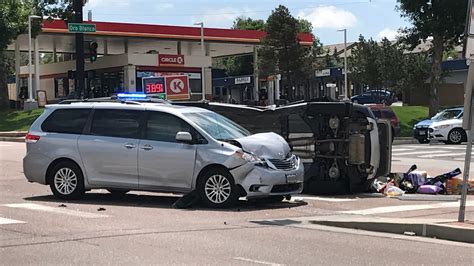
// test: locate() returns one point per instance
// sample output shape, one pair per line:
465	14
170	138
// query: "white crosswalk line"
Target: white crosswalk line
9	221
424	147
403	208
417	153
402	149
57	210
449	154
455	148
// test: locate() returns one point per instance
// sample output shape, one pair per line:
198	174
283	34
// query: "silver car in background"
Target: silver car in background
157	147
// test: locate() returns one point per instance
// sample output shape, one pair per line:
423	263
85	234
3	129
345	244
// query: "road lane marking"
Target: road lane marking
257	261
58	210
402	208
396	150
418	153
441	155
299	198
9	221
424	147
455	148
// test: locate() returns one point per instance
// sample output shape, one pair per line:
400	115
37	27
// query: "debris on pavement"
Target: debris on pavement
419	182
62	205
101	209
187	200
409	233
454	186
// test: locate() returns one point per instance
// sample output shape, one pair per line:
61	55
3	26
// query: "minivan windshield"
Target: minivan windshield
218	126
447	114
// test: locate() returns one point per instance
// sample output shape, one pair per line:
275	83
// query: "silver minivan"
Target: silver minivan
126	146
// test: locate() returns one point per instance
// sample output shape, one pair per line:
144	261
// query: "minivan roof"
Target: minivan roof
130	105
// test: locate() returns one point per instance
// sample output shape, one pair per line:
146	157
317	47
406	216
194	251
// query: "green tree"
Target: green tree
13	22
304	25
441	20
390	61
414	73
363	62
281	52
246	23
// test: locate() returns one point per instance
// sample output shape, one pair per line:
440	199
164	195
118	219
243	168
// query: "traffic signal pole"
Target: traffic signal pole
80	83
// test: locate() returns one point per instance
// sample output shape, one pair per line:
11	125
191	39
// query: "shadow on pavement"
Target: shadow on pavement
162	201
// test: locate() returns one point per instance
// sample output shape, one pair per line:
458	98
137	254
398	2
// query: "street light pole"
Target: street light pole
30	75
345	64
203	51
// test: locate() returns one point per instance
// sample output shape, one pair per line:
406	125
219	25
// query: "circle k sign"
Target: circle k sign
177	87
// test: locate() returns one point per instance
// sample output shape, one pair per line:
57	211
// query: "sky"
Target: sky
371	18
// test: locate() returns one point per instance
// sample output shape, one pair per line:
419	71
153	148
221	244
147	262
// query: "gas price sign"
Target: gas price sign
154	85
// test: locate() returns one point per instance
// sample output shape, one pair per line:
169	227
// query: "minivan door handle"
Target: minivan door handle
147	147
130	146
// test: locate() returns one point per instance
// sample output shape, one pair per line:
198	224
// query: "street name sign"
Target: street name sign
80	27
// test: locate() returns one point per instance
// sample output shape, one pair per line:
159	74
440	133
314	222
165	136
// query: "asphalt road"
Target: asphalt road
142	228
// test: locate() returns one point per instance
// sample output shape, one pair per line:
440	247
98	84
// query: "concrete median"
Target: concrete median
435	228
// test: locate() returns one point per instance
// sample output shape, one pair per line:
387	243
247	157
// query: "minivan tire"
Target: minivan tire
66	181
217	189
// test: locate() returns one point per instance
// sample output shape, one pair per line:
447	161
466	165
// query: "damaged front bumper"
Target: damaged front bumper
262	181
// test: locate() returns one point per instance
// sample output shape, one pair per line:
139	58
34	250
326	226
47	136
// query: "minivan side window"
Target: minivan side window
163	127
116	123
67	121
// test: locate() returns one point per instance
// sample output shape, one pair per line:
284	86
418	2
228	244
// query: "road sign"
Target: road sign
80	27
177	87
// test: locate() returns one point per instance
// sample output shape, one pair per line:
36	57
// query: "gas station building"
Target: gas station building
130	52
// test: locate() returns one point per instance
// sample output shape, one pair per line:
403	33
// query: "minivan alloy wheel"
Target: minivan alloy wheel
65	181
218	188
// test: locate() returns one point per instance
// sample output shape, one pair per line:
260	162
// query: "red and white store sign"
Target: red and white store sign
170	60
177	87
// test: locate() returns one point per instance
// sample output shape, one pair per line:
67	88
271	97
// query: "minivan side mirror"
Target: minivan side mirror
184	137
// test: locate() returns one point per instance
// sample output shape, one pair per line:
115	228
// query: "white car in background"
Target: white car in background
448	131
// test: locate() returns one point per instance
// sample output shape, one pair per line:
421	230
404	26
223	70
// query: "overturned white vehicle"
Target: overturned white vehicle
341	144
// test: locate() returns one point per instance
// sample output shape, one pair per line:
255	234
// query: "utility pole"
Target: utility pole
80	84
203	52
346	92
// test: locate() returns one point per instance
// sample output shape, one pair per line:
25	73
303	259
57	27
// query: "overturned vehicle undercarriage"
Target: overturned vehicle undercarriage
341	144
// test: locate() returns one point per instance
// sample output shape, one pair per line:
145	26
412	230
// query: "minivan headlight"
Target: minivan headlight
251	158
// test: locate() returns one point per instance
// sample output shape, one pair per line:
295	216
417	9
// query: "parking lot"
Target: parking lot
143	228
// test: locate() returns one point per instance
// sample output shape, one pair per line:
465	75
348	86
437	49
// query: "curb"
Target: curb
439	231
11	134
404	140
13	139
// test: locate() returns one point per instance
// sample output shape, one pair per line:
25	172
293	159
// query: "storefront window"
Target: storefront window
105	83
61	87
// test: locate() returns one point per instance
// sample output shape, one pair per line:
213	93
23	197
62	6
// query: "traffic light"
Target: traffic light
93	51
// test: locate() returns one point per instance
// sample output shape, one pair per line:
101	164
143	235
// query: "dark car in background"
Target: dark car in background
420	129
375	97
385	112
